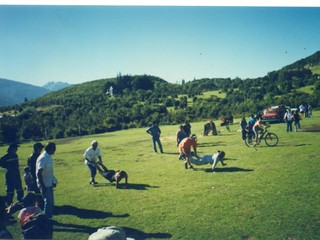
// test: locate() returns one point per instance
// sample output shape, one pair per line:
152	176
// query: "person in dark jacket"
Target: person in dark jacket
32	162
10	161
155	132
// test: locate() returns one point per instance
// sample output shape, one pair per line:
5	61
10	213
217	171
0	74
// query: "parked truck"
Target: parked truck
273	114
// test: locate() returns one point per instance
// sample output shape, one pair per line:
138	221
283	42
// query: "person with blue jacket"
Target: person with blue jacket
155	132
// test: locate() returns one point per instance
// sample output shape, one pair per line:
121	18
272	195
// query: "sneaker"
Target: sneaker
191	168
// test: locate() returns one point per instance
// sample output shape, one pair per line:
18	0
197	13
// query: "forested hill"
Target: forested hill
13	92
135	101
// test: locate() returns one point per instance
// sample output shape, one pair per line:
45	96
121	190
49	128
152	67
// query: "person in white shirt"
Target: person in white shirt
210	159
93	157
46	181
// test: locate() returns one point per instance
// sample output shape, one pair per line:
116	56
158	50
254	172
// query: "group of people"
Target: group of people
292	117
37	205
38	175
39	179
186	142
305	109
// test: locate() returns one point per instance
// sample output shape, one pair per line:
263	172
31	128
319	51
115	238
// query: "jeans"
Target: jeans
93	170
13	182
289	126
154	141
48	202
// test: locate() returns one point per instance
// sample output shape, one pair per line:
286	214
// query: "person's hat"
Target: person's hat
193	136
37	145
26	169
109	233
94	142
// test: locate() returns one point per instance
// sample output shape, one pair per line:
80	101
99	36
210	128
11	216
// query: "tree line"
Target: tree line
137	101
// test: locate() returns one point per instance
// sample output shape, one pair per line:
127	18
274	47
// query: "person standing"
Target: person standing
93	157
45	178
10	161
296	121
288	118
181	134
185	149
155	132
187	128
243	128
32	164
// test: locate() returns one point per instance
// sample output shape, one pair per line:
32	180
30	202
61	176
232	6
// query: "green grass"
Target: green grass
306	89
262	193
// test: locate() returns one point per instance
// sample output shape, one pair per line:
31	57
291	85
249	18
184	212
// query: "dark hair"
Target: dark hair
50	146
12	146
30	199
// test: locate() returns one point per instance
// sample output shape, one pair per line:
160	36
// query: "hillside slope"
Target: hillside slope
13	92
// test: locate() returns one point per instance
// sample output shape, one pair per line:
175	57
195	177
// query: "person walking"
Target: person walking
288	118
93	157
45	177
185	149
296	121
10	161
155	132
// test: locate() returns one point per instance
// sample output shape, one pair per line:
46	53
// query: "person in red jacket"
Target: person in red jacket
185	149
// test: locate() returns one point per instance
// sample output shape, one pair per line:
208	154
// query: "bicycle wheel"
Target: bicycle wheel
271	139
250	141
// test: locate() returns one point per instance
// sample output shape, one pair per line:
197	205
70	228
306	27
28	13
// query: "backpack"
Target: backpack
37	226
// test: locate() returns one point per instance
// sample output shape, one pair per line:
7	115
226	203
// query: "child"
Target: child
34	223
30	204
28	179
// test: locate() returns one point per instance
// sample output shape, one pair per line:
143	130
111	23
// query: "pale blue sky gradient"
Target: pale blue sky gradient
76	44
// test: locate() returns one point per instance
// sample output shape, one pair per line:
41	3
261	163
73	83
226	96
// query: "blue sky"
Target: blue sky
76	44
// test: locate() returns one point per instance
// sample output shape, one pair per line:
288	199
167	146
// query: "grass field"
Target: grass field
262	193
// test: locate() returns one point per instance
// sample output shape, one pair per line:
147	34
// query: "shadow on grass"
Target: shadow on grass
136	186
68	227
84	213
228	169
139	235
130	232
211	144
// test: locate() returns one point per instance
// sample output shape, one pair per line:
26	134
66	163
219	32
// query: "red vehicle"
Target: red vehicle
273	114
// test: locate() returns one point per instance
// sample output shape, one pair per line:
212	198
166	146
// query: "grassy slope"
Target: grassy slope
263	193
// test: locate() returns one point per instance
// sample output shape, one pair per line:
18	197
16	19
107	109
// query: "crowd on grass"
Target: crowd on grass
36	207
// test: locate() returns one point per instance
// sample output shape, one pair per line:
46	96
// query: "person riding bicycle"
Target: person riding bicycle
258	128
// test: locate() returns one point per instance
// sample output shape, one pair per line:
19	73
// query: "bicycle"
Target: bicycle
271	139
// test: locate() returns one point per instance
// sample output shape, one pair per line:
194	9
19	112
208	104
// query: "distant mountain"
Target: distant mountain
54	86
13	92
